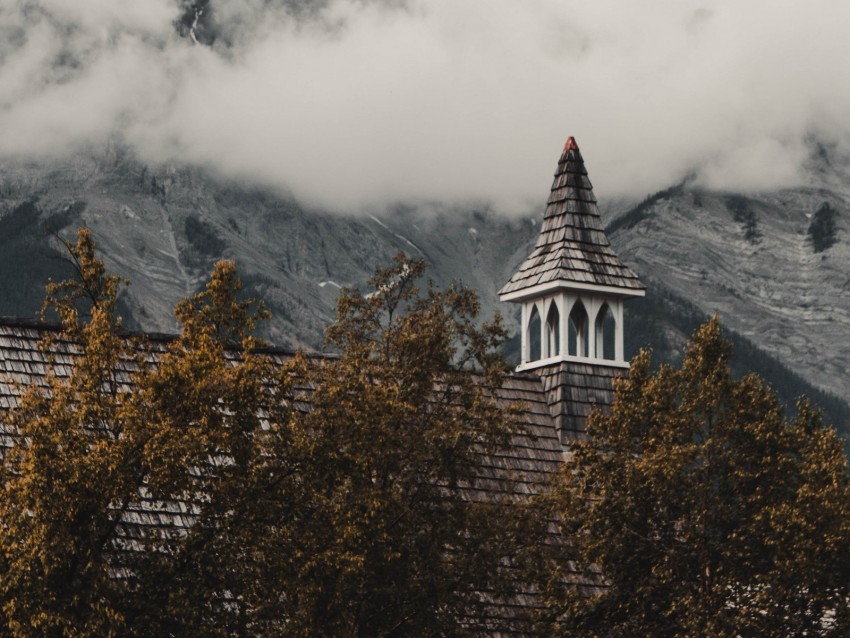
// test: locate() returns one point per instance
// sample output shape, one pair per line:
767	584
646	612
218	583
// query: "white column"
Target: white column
592	311
569	301
543	344
562	323
524	332
618	331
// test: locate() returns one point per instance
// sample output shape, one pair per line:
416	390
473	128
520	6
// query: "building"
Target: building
571	289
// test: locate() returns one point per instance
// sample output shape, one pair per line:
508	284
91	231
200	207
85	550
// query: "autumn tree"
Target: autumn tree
133	423
73	469
342	509
214	451
706	511
385	541
316	496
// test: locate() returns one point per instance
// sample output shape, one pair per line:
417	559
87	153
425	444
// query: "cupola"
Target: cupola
572	285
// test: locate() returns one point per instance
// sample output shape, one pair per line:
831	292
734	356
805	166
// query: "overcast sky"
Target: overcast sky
359	103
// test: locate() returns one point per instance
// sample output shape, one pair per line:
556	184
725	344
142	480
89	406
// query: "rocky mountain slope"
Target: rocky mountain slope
162	228
773	265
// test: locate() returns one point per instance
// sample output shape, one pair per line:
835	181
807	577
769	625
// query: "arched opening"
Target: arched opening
553	331
578	337
533	335
606	333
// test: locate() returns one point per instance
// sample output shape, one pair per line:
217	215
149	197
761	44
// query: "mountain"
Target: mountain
773	265
163	227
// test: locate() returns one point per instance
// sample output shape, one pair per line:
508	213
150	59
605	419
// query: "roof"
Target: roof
573	389
572	249
548	409
535	452
25	362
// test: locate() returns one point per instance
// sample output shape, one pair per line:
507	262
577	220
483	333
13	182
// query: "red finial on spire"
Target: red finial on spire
571	144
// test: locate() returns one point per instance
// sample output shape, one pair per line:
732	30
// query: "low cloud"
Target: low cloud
353	104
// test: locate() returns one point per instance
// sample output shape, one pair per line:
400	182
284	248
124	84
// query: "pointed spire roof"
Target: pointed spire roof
572	250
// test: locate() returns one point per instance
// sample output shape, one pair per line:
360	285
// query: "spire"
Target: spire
572	251
572	290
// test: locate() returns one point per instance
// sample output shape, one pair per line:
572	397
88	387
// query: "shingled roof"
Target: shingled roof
535	452
573	390
572	250
516	472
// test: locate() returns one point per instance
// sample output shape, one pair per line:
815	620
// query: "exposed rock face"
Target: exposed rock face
162	228
775	266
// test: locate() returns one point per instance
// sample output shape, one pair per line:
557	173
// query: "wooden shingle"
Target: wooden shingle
573	390
572	246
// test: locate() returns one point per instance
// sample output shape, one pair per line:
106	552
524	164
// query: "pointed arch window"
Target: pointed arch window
533	336
606	331
553	331
578	338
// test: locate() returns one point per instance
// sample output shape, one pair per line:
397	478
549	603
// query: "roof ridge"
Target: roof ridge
159	337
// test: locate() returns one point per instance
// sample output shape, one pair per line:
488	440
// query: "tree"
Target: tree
72	471
212	446
385	541
343	510
705	509
323	496
115	432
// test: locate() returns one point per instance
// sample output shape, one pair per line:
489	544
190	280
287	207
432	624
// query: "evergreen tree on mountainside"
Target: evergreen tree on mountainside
655	321
707	512
347	517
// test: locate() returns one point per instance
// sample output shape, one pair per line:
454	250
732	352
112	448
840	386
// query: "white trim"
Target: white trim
566	303
619	339
558	284
530	365
522	330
